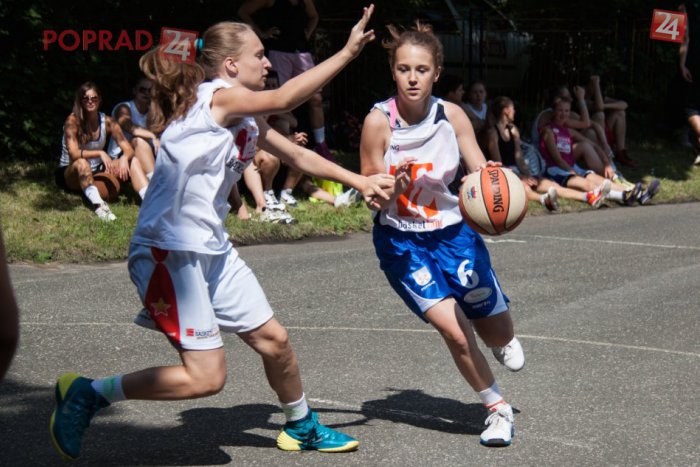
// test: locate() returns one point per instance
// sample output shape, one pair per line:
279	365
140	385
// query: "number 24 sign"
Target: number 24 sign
178	44
668	26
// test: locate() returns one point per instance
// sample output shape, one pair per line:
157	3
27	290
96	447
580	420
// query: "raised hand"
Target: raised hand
358	37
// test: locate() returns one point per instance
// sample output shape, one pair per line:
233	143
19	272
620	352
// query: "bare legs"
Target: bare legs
456	330
203	372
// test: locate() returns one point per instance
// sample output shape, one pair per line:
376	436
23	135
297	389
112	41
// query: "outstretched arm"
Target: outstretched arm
310	163
239	101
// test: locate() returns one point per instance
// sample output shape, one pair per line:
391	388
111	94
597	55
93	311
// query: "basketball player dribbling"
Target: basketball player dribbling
436	263
190	279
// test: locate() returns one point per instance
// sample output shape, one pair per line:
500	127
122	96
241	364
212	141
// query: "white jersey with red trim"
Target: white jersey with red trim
431	200
198	164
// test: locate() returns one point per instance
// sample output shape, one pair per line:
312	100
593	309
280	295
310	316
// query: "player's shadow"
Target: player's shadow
414	407
196	440
202	432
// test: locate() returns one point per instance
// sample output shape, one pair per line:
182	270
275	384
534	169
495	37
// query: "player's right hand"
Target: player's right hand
358	36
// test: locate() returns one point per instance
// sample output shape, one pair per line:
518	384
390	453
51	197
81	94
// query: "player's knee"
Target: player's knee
209	383
278	346
456	340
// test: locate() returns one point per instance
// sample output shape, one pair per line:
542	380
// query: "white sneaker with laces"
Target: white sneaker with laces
272	202
104	213
288	199
499	427
347	198
511	355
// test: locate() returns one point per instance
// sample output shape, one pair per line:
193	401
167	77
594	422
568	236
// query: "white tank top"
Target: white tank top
197	165
98	143
431	200
479	113
139	119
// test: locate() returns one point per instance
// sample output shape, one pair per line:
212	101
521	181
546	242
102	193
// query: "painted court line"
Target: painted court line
613	242
415	331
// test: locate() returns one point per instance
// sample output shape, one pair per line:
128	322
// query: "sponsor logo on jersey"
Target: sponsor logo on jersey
478	295
422	276
467	277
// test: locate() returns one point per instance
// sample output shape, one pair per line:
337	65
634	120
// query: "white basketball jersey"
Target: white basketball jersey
99	143
430	201
197	165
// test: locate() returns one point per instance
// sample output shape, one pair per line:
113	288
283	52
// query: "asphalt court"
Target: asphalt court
606	305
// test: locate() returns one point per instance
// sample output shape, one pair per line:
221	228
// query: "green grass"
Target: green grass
43	224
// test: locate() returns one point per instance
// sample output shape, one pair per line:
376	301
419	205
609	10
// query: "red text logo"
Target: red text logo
668	26
102	39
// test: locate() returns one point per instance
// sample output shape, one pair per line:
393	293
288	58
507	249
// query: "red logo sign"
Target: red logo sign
179	44
668	26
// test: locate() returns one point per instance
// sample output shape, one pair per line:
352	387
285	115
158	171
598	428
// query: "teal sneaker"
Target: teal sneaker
308	435
76	403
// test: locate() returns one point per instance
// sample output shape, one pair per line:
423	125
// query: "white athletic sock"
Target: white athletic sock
142	192
295	410
319	135
543	199
491	397
584	196
615	195
149	176
110	388
93	194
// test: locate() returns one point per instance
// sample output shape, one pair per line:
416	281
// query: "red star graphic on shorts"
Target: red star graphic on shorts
160	307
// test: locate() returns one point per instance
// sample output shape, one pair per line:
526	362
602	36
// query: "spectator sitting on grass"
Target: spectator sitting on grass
557	147
84	165
610	114
600	159
132	117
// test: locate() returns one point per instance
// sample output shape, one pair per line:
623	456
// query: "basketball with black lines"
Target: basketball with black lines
493	200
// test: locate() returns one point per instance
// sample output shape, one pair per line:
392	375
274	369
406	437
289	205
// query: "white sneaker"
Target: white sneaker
276	216
347	198
104	213
271	201
499	427
288	199
697	160
551	199
511	356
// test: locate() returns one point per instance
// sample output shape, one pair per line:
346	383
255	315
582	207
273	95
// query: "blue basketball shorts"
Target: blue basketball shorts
425	268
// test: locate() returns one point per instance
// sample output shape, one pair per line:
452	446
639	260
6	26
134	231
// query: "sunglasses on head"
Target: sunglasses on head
90	99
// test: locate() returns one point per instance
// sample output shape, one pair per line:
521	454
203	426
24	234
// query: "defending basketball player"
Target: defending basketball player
436	263
189	277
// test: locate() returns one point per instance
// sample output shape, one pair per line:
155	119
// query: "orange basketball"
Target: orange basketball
493	200
108	185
